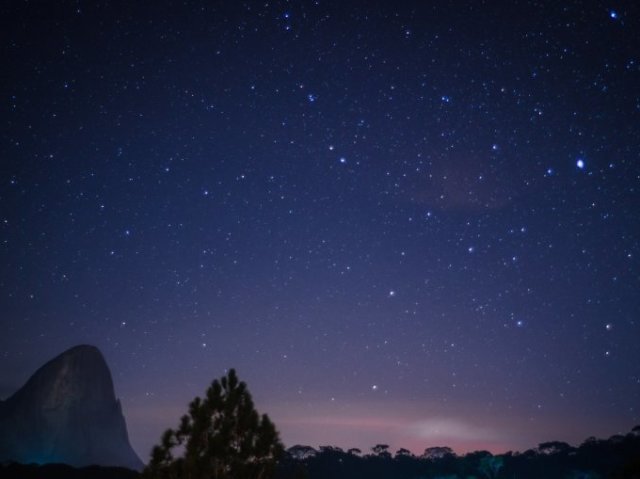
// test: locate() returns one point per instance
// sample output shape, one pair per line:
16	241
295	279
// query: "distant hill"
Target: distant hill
67	413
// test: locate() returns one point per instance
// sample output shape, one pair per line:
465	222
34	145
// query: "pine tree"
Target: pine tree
222	437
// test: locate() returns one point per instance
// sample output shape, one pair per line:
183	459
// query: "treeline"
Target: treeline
616	458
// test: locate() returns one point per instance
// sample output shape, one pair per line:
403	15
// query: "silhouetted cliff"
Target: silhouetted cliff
67	412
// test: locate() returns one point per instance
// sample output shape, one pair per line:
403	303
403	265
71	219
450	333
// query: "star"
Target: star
310	194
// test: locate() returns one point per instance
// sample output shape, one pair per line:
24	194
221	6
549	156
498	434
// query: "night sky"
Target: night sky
401	223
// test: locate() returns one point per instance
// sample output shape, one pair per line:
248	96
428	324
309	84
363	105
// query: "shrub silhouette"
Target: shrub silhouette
222	437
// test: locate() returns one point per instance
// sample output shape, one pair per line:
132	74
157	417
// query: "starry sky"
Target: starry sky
411	223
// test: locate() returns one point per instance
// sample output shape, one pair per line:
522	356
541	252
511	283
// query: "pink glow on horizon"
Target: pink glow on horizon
366	431
411	426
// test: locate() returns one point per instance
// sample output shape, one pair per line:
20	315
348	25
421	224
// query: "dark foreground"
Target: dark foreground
62	471
615	458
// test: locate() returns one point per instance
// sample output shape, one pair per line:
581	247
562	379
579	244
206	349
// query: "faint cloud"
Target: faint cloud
448	429
463	183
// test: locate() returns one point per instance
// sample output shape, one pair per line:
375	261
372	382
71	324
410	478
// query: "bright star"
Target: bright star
580	163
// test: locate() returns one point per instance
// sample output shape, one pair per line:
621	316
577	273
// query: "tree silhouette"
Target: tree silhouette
553	447
300	452
490	466
437	452
222	437
381	450
402	452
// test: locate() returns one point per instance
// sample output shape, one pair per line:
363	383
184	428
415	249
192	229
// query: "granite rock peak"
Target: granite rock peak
67	412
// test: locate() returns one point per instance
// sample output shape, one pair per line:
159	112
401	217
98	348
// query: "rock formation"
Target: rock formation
67	412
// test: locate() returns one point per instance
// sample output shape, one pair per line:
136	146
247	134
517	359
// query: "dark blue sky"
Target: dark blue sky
400	222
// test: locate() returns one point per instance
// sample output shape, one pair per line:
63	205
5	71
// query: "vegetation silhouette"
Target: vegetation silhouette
222	437
615	458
